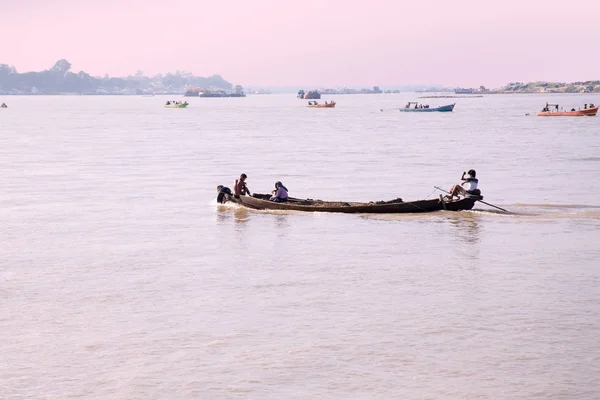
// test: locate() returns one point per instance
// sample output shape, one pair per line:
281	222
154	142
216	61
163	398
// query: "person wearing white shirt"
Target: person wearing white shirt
468	185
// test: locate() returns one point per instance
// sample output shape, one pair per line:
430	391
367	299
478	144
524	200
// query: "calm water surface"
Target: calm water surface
121	278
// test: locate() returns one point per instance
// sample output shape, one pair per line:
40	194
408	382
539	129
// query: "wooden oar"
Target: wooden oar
491	205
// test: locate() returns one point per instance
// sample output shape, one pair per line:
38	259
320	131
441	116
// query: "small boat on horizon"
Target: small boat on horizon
425	108
175	104
397	206
315	104
590	111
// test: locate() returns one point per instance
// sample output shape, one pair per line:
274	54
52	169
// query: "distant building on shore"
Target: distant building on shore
346	90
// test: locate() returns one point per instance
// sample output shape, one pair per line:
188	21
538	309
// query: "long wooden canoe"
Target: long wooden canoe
261	202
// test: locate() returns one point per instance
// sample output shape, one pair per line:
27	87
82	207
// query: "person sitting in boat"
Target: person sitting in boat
222	192
168	103
591	105
4	105
470	185
280	194
572	109
240	188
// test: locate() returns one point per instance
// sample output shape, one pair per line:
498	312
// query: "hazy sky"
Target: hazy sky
321	43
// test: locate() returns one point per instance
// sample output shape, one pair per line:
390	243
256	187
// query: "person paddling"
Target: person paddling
240	188
223	190
468	185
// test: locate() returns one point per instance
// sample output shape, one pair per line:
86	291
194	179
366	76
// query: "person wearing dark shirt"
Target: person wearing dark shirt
222	192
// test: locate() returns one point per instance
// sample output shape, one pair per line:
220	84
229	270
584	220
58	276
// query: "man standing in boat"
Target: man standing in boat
470	185
240	188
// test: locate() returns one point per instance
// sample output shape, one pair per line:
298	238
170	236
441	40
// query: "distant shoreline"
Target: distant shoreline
450	97
290	93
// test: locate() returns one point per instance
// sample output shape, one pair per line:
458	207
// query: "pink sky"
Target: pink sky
321	43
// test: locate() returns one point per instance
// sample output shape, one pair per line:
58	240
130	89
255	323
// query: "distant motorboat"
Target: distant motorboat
586	112
314	104
177	105
426	108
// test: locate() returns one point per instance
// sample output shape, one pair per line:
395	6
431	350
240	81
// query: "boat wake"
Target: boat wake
559	206
517	210
575	211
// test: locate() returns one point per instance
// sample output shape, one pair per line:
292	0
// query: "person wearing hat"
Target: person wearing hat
280	194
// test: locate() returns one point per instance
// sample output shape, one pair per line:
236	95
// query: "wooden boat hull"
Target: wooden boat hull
447	108
328	105
588	112
261	202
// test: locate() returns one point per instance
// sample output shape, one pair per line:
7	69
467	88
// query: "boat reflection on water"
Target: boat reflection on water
282	223
468	226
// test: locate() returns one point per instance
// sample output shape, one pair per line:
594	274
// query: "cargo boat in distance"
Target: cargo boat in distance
310	95
397	206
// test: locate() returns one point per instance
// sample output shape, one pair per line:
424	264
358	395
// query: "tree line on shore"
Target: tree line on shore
59	79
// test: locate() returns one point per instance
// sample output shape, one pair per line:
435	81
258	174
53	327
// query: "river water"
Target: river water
121	278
